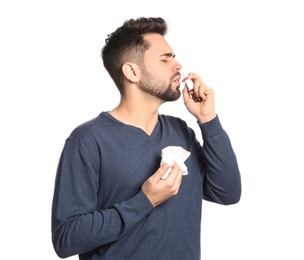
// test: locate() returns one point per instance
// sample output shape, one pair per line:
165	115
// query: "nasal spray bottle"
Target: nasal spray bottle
189	84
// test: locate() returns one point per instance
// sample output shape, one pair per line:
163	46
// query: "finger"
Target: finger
209	91
193	76
189	76
202	92
174	180
206	91
186	94
160	172
175	173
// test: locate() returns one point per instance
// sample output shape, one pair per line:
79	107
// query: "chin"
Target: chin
174	97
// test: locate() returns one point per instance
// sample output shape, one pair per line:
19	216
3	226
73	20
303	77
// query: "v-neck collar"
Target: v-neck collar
137	129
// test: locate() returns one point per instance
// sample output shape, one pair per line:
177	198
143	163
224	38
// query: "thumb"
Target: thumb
161	171
186	94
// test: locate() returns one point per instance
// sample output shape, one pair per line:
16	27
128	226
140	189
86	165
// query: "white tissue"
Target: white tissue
171	154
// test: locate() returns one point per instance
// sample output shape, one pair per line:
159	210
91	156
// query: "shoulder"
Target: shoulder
85	128
177	125
172	121
90	130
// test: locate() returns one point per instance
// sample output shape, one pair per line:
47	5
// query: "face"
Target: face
160	75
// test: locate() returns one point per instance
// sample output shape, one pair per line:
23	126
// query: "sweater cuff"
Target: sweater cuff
211	128
141	204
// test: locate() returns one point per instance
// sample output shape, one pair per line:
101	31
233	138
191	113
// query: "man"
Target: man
110	200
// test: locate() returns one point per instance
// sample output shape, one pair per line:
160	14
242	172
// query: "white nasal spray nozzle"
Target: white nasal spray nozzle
188	82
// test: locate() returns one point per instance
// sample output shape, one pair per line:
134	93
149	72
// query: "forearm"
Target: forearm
81	219
81	233
222	182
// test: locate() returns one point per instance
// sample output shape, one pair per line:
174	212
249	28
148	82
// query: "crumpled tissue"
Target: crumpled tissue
171	154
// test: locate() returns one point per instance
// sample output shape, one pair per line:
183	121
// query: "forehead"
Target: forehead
158	44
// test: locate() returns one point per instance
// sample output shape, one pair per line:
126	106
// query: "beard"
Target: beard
159	88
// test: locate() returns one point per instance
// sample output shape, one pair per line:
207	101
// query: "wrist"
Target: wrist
206	118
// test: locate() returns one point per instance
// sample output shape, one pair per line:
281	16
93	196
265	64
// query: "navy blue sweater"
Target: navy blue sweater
99	210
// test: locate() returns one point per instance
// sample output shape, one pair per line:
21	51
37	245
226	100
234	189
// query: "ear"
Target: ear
131	71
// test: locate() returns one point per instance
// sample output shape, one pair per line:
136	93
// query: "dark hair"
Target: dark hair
126	44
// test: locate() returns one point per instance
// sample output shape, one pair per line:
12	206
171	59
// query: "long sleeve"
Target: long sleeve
99	210
78	224
222	180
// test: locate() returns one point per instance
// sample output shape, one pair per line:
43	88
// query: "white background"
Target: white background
250	52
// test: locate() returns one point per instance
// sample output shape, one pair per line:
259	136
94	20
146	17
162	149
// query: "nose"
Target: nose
177	66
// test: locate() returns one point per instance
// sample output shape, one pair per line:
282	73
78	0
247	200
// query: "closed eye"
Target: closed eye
168	55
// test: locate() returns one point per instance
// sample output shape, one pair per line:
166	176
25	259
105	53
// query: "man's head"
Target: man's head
127	44
138	48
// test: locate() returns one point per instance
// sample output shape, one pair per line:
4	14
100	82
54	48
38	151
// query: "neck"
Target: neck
139	110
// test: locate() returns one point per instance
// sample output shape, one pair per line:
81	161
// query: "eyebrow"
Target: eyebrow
169	54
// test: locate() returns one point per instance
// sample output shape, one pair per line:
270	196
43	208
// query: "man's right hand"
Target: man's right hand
158	190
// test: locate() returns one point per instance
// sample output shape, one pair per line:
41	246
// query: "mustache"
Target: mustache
175	75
